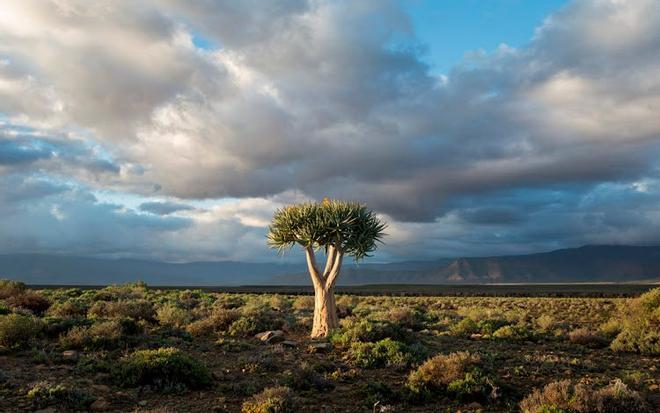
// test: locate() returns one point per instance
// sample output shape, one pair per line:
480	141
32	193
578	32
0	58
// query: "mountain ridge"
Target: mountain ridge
589	263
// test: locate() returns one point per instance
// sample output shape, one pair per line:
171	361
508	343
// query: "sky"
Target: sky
171	130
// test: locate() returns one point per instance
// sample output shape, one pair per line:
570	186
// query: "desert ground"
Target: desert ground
140	349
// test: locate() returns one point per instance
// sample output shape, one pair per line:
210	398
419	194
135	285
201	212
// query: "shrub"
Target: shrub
365	330
545	322
438	372
172	316
4	308
473	384
465	328
405	317
306	378
564	396
610	328
68	308
271	400
490	326
616	397
640	332
586	337
55	326
516	332
29	301
107	334
17	330
219	320
303	303
255	320
139	309
45	394
386	352
10	288
165	369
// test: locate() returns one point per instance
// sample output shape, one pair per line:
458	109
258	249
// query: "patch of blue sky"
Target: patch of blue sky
204	43
450	28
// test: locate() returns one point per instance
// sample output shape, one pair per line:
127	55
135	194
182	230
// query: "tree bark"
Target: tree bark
325	308
325	312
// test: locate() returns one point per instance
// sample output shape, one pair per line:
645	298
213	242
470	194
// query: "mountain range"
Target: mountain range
592	263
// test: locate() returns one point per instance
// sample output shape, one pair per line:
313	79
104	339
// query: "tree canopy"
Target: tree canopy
348	227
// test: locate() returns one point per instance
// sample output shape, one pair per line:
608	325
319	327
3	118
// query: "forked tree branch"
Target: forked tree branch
329	261
334	272
312	267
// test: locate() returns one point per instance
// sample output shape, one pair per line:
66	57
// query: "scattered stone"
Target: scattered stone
320	347
99	405
271	336
474	406
70	355
101	388
289	343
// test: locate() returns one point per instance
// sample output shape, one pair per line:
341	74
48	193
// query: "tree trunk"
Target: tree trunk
325	311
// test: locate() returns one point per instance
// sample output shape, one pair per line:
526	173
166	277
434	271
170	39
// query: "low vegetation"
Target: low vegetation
133	348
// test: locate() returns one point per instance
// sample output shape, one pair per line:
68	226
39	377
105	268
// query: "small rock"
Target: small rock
99	405
474	406
271	336
289	343
101	388
142	403
319	347
70	355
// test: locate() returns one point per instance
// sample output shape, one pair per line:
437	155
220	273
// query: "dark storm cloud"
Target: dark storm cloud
57	153
164	208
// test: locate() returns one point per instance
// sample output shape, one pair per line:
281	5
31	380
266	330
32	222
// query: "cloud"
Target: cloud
304	99
164	208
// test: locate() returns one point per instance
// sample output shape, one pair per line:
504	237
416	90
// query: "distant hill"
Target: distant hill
584	264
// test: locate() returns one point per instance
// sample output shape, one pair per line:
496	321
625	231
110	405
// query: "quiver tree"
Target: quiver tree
337	228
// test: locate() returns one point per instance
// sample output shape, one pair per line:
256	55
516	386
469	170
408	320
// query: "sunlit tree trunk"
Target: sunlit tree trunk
325	308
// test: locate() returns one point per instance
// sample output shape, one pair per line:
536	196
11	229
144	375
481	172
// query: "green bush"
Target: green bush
306	378
384	353
68	308
4	308
9	288
165	369
17	330
473	384
640	331
138	309
106	334
465	328
172	316
564	396
45	394
459	370
510	332
29	300
365	330
254	321
55	326
271	400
